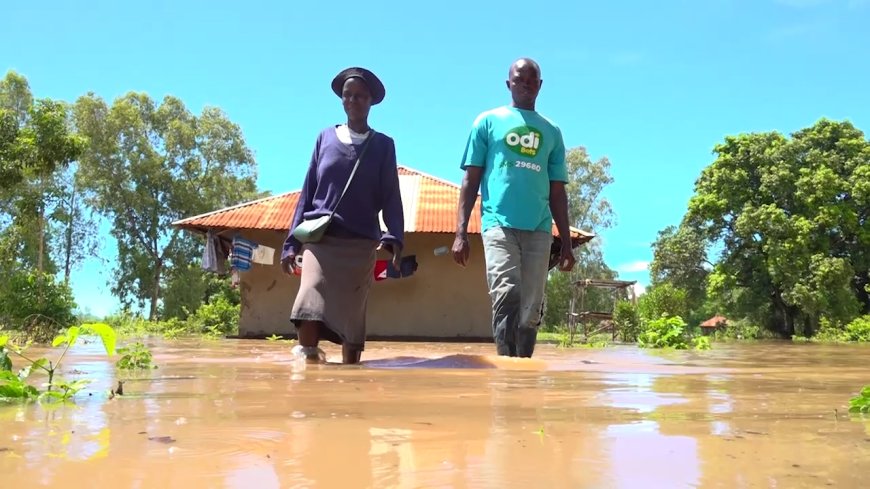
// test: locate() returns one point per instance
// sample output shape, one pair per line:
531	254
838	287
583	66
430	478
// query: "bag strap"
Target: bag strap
353	172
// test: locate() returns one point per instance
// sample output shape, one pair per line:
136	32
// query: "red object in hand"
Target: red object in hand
297	270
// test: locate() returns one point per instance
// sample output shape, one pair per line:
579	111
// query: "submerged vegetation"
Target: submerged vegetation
861	403
20	386
134	357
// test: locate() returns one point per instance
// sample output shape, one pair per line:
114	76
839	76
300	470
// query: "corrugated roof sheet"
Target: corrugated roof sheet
429	205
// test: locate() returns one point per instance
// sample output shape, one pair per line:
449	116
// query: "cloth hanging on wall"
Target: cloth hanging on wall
263	255
243	251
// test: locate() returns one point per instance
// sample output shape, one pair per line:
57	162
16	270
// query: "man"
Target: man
516	157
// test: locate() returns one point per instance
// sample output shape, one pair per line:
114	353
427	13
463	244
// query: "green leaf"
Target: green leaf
59	340
12	387
40	363
5	361
73	334
53	396
106	333
3	340
7	376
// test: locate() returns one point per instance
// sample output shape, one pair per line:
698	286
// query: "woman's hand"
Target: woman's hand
395	250
288	264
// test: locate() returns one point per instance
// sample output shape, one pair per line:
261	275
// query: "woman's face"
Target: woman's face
357	99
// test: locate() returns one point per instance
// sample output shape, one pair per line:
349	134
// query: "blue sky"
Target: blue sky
651	85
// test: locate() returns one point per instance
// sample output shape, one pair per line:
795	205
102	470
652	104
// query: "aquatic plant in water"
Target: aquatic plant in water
135	357
861	403
15	387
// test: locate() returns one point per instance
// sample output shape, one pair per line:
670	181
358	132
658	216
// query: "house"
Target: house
440	300
711	325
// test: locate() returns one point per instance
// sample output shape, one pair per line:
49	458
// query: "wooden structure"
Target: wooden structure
619	289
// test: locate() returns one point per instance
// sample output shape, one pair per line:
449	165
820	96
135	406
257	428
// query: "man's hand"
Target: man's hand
288	264
566	258
461	249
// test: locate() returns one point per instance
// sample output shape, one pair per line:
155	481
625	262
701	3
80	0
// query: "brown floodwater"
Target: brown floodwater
237	413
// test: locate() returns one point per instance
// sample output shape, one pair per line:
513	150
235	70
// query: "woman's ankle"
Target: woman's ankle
350	355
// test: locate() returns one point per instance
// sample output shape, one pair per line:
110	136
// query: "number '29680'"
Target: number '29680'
530	166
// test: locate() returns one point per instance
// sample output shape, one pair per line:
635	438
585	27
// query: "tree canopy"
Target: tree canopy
148	165
786	222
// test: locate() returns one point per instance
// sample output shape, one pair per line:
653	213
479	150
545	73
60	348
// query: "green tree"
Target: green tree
589	210
189	287
16	101
36	303
42	144
148	165
76	225
662	300
790	217
37	145
680	259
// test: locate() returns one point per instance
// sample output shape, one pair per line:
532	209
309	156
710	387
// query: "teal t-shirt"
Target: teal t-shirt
521	151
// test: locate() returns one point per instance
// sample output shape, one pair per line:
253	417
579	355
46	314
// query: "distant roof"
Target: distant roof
714	322
429	205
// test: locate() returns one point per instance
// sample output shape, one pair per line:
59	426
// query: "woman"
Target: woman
338	269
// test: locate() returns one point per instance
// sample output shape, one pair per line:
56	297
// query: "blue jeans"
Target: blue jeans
516	273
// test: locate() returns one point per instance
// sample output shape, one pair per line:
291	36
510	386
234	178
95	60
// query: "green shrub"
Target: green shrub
861	403
829	331
36	304
664	332
627	321
832	332
219	316
858	329
742	329
662	300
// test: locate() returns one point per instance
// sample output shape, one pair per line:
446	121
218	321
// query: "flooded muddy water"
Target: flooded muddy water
234	413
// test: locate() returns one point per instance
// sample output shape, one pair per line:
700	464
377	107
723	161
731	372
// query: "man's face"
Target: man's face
356	99
524	83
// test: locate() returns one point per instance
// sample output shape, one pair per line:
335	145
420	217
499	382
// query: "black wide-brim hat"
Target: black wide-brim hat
374	83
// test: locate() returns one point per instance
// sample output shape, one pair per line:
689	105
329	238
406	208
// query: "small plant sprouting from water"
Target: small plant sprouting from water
135	357
15	387
701	343
279	339
861	403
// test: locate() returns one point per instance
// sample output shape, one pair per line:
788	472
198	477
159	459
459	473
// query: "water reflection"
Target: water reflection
233	414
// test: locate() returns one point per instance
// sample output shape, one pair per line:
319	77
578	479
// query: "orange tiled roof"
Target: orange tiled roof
429	206
714	321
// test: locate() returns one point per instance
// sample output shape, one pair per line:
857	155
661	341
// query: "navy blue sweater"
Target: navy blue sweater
375	188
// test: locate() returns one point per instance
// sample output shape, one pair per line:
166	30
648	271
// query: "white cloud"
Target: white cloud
633	267
639	289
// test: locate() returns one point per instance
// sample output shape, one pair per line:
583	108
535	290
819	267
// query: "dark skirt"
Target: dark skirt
337	274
